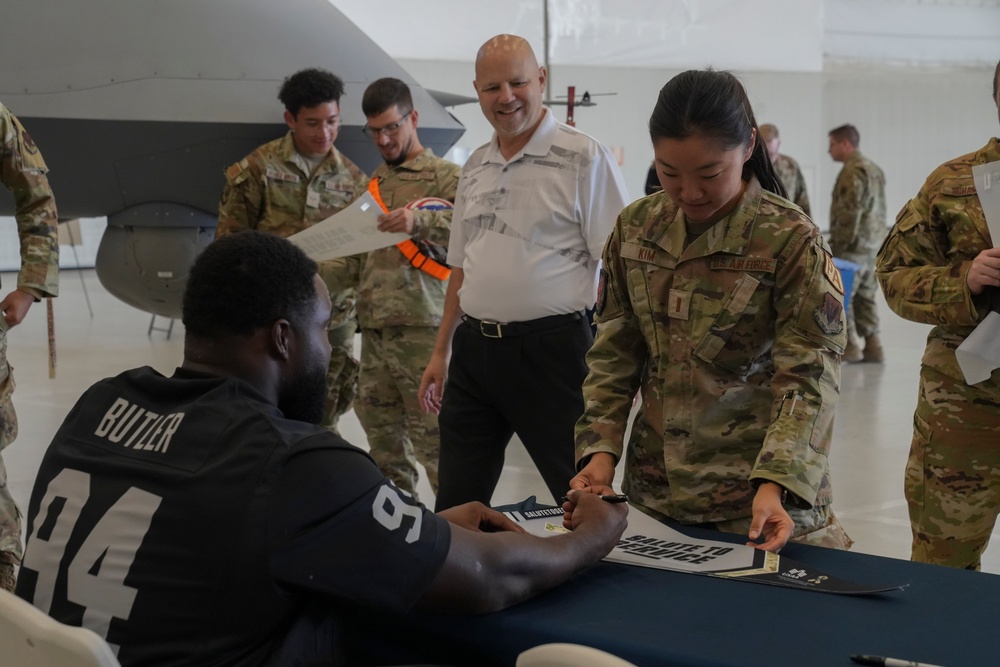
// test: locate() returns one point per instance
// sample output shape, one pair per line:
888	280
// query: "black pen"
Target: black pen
609	498
879	661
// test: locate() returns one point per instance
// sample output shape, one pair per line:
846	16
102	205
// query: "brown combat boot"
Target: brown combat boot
7	578
873	353
852	353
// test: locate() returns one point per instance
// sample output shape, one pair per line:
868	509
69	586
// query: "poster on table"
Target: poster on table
649	543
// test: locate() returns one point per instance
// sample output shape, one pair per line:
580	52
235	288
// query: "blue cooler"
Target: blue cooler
847	271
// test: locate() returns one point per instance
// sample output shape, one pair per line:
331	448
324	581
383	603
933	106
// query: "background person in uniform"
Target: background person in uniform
400	305
857	228
939	266
786	168
22	171
228	528
533	211
722	303
292	183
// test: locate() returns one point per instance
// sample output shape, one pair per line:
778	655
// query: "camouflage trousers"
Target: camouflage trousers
817	526
862	317
952	481
10	514
342	375
400	435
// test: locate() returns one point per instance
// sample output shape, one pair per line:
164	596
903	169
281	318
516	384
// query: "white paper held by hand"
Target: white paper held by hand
987	180
979	354
351	231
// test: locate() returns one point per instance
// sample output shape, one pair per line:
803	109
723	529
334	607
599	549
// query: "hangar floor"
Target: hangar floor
871	439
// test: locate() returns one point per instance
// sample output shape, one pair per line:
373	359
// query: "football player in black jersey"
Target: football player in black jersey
204	519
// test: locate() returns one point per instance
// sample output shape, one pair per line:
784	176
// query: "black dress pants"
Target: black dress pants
523	378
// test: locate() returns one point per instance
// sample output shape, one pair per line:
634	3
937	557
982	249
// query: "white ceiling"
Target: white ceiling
749	35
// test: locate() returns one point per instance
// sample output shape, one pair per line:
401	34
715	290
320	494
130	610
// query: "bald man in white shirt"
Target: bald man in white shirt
534	208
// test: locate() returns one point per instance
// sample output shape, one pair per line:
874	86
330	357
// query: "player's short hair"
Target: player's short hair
848	132
247	281
996	79
384	93
310	88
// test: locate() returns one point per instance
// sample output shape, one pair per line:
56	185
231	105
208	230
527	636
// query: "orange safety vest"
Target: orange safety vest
410	250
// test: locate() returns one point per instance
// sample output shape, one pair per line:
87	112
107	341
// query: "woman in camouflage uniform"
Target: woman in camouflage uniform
719	299
939	265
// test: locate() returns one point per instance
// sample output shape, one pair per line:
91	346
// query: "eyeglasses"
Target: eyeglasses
389	130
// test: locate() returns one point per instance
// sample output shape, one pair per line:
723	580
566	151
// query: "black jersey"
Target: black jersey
187	522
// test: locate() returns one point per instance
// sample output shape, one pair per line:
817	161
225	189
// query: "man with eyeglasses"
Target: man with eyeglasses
401	288
294	182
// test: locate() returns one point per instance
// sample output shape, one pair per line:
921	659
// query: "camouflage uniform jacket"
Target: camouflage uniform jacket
857	210
272	190
735	343
791	176
924	262
391	292
22	171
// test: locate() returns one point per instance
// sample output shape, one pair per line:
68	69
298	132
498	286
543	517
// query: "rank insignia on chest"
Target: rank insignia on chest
678	304
828	315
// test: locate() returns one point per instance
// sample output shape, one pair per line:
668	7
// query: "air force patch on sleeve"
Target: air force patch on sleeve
828	315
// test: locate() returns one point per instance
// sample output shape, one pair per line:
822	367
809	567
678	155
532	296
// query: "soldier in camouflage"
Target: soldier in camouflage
939	266
721	302
22	171
857	228
294	182
400	305
786	168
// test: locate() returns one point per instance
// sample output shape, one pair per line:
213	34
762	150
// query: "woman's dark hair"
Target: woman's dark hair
713	104
247	281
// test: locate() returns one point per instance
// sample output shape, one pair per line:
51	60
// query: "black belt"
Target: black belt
491	329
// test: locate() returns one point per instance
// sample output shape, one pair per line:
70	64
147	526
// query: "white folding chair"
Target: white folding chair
568	655
31	638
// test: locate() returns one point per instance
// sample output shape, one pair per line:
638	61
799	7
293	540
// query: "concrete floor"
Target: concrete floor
871	438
